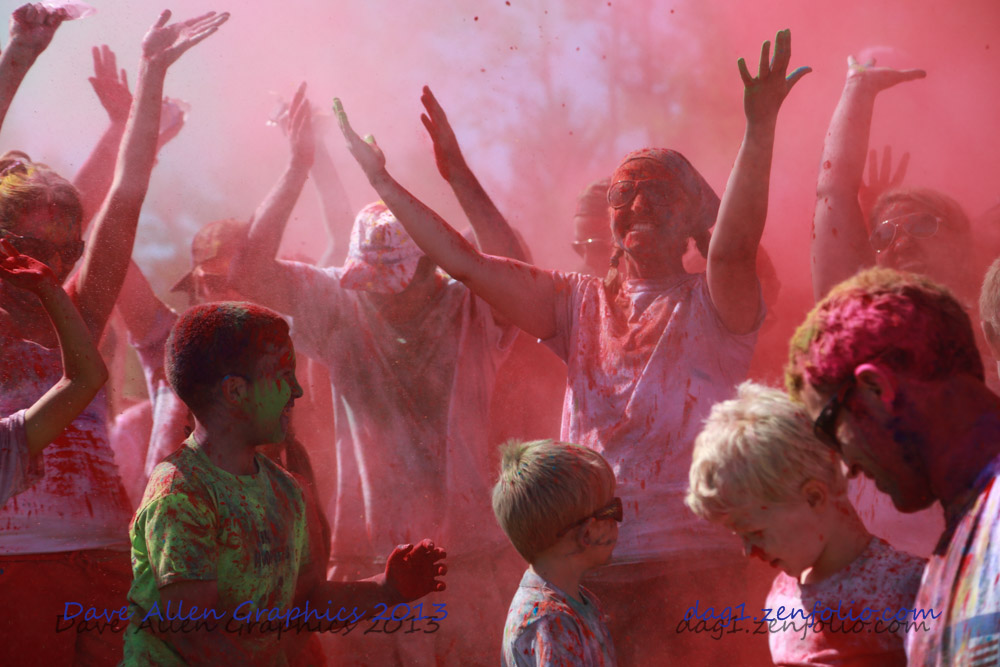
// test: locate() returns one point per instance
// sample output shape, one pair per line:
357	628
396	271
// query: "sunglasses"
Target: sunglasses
825	426
582	246
654	190
917	225
44	250
612	510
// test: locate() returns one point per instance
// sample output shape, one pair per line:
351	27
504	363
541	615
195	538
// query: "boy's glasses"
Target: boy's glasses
825	426
654	190
43	250
917	225
612	510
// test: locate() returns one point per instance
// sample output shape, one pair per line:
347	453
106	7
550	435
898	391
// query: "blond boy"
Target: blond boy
759	470
556	503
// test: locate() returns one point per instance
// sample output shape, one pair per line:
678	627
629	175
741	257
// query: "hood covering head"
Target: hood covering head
382	257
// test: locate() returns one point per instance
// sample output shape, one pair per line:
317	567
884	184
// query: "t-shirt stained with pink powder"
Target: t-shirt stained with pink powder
880	578
962	584
640	384
411	403
80	502
546	627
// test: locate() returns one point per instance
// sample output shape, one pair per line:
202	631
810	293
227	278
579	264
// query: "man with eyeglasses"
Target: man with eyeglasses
887	366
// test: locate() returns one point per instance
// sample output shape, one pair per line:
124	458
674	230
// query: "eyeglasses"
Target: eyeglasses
612	510
917	225
825	426
43	250
598	244
656	191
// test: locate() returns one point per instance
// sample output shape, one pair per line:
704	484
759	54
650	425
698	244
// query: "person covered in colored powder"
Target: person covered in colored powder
887	367
222	527
556	502
648	350
65	537
24	434
412	356
759	470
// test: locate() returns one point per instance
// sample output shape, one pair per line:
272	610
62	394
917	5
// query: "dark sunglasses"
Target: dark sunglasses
582	246
43	250
917	225
655	190
825	426
612	510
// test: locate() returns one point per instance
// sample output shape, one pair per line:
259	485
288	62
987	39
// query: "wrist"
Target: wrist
379	177
22	52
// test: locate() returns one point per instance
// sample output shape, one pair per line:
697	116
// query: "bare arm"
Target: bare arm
83	369
31	30
255	268
337	214
732	253
840	238
494	235
521	293
107	256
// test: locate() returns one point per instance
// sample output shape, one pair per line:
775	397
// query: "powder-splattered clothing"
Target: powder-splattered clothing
962	583
198	522
640	384
412	406
18	469
546	627
80	502
880	578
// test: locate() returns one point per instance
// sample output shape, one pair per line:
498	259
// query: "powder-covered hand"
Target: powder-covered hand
763	94
23	271
365	151
411	570
447	152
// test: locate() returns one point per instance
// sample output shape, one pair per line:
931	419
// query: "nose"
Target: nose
296	388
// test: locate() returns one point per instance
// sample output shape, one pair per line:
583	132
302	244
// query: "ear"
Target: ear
234	390
877	381
815	493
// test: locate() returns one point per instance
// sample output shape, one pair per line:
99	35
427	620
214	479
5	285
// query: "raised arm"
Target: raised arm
83	370
521	293
494	235
31	30
337	214
840	244
255	269
107	256
732	253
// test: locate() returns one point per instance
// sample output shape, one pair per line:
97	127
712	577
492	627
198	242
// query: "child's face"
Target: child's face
786	535
273	391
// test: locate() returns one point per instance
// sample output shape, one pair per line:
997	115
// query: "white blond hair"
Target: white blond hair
759	446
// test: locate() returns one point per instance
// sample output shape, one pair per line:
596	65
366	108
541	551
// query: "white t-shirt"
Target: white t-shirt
640	384
18	469
411	405
80	503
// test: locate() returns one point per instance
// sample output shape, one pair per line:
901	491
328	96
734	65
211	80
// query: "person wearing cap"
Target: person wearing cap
212	248
649	350
412	355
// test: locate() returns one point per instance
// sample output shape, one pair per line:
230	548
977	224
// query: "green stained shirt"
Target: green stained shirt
198	522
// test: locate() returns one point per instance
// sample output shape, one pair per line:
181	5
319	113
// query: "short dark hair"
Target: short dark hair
213	340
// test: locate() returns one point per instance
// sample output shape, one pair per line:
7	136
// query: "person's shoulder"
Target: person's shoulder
182	471
886	557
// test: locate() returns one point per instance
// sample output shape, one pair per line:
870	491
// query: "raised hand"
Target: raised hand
763	94
24	271
164	44
365	151
878	78
300	132
880	181
412	570
33	25
173	115
447	152
110	85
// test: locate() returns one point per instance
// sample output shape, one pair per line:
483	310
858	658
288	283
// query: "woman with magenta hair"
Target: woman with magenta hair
649	350
65	539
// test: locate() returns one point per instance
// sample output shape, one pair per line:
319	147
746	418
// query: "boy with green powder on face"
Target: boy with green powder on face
221	530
